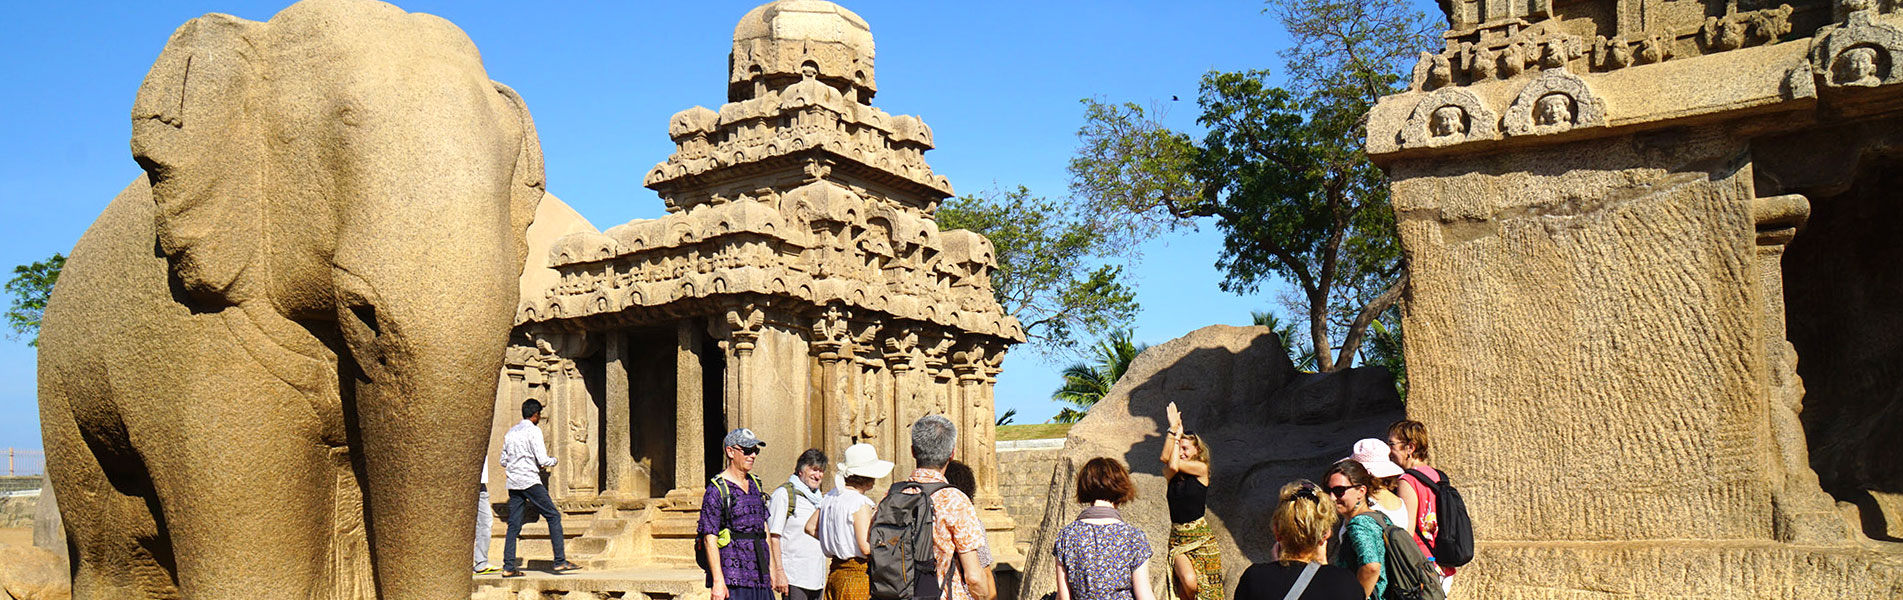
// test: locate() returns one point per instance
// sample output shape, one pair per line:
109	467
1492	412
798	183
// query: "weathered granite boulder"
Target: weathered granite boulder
28	573
49	532
1266	424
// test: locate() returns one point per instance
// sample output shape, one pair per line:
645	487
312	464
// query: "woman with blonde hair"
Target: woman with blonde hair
1301	525
1099	555
1195	560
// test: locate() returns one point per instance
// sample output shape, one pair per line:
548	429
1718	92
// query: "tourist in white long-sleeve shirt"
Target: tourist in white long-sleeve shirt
523	458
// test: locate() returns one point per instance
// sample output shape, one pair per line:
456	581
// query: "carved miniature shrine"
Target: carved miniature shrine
798	287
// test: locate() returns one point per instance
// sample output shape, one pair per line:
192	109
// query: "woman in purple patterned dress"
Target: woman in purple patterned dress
1099	556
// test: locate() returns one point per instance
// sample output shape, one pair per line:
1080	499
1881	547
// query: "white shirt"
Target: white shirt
836	536
524	456
800	555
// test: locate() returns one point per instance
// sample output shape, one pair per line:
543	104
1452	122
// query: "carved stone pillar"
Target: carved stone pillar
1801	512
973	364
833	349
617	440
739	331
901	345
689	448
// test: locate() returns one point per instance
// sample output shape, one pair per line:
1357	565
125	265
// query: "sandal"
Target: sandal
513	574
564	567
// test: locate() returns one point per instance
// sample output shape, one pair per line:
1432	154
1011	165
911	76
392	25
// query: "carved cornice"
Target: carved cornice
809	115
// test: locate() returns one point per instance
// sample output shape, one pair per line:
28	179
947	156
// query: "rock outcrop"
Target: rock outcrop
1266	423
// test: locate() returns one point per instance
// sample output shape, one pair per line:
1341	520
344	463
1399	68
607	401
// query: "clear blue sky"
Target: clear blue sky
999	82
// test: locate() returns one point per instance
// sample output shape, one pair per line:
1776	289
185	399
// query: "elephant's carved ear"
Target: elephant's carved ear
193	133
528	186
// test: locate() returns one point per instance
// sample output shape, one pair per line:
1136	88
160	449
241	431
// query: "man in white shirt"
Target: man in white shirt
523	458
799	567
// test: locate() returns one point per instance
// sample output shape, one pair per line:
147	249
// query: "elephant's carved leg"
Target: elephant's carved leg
119	548
248	485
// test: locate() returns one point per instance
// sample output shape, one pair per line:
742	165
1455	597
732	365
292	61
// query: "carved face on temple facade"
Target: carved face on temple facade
1858	66
1448	120
1553	109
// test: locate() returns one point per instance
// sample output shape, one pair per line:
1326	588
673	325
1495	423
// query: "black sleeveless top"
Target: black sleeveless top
1187	496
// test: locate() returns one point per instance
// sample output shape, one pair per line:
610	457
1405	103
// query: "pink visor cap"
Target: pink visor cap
1373	455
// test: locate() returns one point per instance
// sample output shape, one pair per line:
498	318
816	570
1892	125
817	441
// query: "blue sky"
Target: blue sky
999	82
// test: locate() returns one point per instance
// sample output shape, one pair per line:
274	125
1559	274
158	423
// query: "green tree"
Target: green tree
1054	272
1384	350
30	287
1086	383
1281	170
1007	418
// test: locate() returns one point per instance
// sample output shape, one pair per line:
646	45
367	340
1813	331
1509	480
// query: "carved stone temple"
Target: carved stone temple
797	286
1655	259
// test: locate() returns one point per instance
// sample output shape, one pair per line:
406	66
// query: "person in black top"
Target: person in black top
1195	560
1301	524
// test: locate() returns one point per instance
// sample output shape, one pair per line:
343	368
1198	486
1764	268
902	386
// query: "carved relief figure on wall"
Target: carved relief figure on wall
1448	121
1553	109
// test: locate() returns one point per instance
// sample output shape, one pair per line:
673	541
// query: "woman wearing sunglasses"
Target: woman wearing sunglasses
1361	548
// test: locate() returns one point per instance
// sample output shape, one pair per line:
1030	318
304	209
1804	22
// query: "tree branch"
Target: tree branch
1359	328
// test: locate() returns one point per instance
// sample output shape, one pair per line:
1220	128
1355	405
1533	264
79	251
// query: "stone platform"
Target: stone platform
629	584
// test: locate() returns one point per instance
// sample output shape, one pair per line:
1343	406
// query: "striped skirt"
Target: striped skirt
847	581
1197	541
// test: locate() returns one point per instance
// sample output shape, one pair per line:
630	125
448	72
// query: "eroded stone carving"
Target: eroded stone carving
1446	117
1557	101
1861	52
270	344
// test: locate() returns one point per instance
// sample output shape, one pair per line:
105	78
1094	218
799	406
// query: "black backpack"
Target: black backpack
1411	576
902	565
726	524
1453	541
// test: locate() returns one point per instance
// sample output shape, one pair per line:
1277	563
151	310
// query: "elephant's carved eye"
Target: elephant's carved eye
348	115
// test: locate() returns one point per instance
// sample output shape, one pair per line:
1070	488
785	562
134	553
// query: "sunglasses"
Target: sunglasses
1338	490
749	451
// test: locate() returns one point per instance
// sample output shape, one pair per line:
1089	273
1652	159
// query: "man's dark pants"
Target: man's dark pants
519	503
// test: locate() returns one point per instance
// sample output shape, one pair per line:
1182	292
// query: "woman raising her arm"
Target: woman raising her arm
1195	560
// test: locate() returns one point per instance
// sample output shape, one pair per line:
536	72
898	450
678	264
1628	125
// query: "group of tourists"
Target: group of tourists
1376	527
1382	524
923	540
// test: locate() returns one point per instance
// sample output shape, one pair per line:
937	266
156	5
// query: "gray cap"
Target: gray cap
743	438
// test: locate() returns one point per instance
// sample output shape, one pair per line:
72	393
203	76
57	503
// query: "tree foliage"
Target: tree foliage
1086	383
1299	354
1053	271
1280	169
30	287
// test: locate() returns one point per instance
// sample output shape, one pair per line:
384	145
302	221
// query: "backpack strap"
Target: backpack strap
792	499
1432	487
1301	583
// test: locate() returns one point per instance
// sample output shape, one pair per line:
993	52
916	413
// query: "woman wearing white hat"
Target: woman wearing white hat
1373	454
843	523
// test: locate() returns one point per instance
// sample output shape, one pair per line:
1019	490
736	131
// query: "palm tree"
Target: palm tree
1303	358
1085	383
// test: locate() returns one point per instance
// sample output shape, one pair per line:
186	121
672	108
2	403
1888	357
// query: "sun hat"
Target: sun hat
743	438
1373	455
862	460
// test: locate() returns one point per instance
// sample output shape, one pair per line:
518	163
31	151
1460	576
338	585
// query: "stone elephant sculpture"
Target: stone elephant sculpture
269	367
